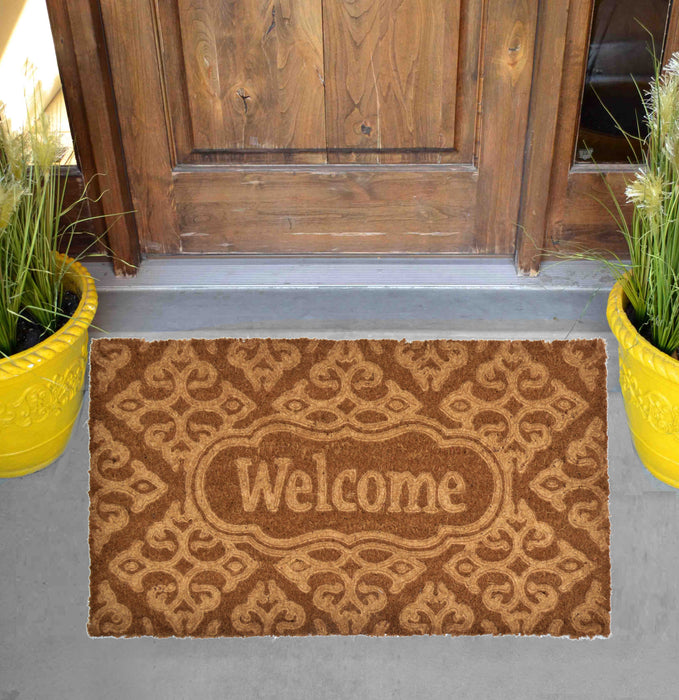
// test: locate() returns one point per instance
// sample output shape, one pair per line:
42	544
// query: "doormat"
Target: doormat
375	487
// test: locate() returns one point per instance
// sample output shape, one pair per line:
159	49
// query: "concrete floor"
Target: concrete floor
45	652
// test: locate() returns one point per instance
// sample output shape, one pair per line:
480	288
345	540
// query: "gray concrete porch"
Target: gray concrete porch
45	652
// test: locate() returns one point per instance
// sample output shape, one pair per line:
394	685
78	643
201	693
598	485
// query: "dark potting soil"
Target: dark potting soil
30	332
642	330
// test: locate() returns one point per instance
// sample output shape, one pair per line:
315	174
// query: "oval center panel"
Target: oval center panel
414	485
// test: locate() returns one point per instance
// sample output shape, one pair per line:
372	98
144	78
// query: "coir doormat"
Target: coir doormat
312	487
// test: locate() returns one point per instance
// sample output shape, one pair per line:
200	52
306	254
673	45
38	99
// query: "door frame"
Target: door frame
82	57
559	207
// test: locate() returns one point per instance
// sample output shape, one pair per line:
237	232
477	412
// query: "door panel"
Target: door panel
254	74
323	126
391	79
333	211
139	94
262	81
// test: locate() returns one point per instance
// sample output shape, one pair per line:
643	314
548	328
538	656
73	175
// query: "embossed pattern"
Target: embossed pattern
661	414
301	487
45	397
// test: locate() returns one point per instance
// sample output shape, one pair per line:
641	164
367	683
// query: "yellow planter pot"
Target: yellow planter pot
41	389
649	380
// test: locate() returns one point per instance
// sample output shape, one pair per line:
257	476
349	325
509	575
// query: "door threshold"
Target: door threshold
210	273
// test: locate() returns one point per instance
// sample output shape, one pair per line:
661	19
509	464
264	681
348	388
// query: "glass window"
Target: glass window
620	54
28	68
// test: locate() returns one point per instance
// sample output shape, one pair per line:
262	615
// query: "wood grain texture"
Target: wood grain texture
391	78
130	29
174	45
83	241
568	120
507	74
173	70
90	102
586	223
254	74
540	147
267	208
468	83
218	205
328	210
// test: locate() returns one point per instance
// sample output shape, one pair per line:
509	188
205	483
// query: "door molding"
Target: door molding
92	113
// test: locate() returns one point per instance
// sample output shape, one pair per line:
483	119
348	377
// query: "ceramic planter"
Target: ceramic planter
649	380
41	389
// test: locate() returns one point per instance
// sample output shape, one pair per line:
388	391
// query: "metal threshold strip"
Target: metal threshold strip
213	273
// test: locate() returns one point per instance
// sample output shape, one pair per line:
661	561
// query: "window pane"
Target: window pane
620	53
28	64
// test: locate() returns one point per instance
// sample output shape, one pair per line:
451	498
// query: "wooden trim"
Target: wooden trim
85	76
588	224
80	243
508	50
541	143
568	117
130	28
576	219
470	49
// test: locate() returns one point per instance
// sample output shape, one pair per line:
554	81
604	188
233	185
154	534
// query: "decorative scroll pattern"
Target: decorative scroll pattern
180	405
592	617
120	486
585	364
514	405
520	568
583	471
112	357
263	362
267	610
432	362
183	569
45	397
347	389
661	413
108	616
350	584
436	611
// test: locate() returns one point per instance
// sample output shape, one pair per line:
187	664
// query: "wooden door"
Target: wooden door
323	126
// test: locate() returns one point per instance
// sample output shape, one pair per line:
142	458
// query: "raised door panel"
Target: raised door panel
301	81
391	79
254	73
327	211
244	79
